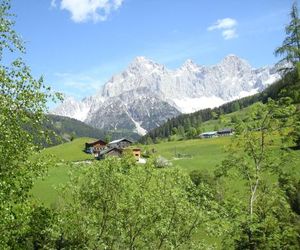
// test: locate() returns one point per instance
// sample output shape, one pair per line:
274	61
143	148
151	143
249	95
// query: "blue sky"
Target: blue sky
77	45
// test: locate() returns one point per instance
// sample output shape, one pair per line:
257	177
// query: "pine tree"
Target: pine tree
290	47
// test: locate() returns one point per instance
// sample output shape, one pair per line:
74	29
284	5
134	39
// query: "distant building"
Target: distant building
225	132
95	147
109	152
136	153
209	134
101	149
120	143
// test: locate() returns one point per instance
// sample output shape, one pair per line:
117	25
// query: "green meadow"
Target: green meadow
70	151
196	154
202	154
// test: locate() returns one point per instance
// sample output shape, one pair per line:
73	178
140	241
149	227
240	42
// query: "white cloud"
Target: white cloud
86	10
229	34
227	25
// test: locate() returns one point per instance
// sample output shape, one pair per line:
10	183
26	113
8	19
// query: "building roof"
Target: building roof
209	133
105	151
95	142
119	140
225	130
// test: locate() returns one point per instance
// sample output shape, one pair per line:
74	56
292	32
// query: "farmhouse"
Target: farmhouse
109	152
95	147
225	132
115	148
209	134
120	143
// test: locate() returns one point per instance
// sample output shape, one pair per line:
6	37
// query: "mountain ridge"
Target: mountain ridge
166	93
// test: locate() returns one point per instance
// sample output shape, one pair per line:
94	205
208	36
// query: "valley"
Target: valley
103	149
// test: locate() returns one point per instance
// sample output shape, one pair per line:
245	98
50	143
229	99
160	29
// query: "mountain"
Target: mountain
67	129
146	94
288	86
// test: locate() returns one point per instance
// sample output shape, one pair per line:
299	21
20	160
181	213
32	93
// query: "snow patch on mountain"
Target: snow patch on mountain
147	93
246	93
73	108
189	105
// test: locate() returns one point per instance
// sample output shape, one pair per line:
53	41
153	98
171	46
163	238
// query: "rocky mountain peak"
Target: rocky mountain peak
232	60
190	65
143	64
146	93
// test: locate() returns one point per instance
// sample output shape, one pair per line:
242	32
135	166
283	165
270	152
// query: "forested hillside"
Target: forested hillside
66	129
191	124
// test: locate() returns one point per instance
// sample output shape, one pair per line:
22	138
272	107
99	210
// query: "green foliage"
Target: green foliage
295	131
40	229
201	176
116	204
290	47
9	39
107	138
67	129
264	220
290	184
192	132
22	107
271	227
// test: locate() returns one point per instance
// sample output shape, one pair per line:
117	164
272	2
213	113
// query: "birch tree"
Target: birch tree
257	152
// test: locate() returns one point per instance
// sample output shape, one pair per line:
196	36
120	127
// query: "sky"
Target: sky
78	45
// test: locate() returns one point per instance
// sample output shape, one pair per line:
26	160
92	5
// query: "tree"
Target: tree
22	107
252	157
192	132
181	131
116	204
107	138
149	140
290	47
9	39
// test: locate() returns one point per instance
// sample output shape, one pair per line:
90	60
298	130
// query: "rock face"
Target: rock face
146	94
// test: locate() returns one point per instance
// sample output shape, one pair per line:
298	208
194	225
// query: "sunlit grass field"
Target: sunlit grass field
198	154
204	154
70	151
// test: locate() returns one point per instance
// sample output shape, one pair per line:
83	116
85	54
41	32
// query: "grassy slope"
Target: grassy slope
46	190
204	153
70	151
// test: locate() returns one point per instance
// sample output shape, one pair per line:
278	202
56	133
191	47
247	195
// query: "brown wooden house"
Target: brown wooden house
95	147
